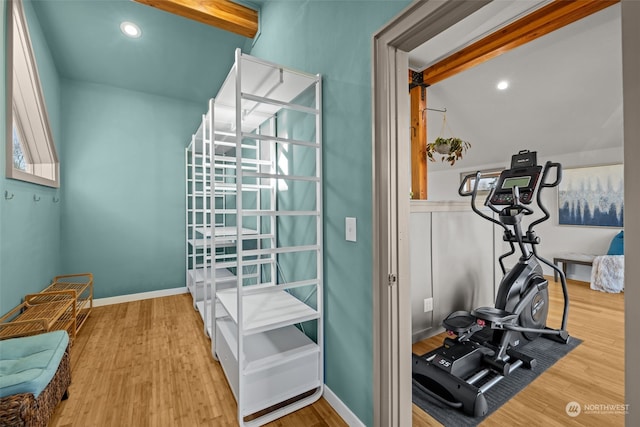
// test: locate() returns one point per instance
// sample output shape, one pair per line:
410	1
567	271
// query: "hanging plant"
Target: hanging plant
451	149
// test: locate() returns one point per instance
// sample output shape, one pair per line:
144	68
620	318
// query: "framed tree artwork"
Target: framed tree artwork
592	196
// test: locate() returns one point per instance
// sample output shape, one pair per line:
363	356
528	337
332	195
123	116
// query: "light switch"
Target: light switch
350	229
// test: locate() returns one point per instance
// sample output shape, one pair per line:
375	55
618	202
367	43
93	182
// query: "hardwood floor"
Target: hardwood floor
592	374
148	363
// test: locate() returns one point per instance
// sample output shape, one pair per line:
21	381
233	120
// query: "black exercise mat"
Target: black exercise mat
545	351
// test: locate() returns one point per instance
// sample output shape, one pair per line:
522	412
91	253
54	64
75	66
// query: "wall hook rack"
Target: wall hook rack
36	198
56	199
6	195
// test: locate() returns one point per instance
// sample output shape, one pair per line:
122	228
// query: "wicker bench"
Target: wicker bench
65	304
35	374
33	319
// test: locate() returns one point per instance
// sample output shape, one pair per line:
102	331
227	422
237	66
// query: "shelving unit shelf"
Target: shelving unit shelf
254	236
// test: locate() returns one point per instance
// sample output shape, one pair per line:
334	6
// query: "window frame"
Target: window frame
16	16
486	174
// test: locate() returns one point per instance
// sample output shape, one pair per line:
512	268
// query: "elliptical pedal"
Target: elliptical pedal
495	315
461	323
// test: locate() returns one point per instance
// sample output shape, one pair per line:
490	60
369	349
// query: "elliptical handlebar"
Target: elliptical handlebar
543	184
563	280
473	193
463	184
547	168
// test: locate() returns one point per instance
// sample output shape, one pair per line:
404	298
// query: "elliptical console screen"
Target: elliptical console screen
525	179
521	181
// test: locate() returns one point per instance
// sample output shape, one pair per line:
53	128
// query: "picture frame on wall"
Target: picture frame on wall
592	196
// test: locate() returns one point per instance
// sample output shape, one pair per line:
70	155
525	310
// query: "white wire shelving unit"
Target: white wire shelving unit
201	219
261	236
198	214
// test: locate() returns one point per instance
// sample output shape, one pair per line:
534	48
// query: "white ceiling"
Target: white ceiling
565	91
476	26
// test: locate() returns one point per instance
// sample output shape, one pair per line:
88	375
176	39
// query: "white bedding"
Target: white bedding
607	274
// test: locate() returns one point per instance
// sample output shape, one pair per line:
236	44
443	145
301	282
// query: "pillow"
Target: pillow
617	245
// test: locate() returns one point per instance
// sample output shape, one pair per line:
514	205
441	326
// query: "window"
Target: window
19	161
487	180
31	153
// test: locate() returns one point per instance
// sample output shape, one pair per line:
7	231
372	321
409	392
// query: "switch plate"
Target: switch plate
428	305
350	229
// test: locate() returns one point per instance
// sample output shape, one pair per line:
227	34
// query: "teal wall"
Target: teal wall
335	39
29	229
123	191
120	209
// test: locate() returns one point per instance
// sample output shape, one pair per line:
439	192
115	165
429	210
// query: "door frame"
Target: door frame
419	22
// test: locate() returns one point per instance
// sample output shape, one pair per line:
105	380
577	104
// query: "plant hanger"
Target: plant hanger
450	149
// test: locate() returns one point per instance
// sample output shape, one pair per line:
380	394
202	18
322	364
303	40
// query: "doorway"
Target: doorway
392	328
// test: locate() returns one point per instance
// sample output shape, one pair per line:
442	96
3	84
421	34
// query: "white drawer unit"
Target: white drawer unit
278	364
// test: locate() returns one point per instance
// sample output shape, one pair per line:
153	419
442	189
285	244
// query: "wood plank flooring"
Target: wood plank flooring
148	363
592	374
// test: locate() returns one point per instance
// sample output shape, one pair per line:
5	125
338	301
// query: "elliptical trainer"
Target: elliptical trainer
484	349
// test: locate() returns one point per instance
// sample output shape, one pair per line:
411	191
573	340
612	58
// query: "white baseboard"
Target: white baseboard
343	410
140	296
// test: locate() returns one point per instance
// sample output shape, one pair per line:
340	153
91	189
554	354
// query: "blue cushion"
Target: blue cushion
617	245
28	364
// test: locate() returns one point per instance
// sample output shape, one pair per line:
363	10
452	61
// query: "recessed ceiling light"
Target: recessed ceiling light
502	85
130	29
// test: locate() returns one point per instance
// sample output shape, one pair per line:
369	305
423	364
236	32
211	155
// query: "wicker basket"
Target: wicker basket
26	410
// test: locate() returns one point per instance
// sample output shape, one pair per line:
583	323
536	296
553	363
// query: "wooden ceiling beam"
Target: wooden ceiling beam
549	18
223	14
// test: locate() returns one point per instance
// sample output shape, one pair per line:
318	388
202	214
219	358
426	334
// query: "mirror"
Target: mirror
30	150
